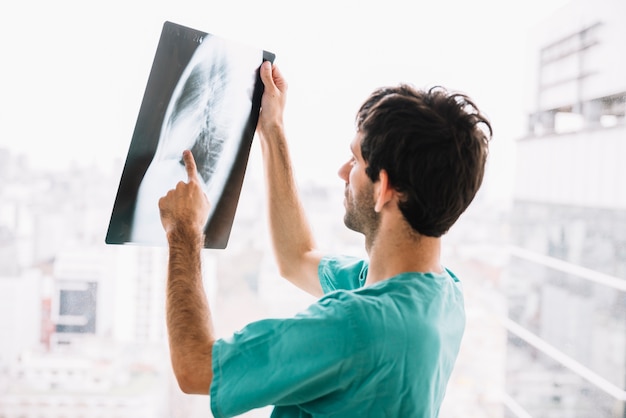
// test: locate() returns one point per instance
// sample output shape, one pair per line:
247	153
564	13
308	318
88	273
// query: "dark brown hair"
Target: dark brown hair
433	144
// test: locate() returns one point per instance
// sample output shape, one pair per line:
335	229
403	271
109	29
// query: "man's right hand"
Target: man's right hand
273	100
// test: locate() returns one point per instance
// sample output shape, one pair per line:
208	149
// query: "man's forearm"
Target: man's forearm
289	228
189	323
288	224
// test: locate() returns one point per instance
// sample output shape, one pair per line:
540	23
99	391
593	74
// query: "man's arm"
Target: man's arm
292	239
184	212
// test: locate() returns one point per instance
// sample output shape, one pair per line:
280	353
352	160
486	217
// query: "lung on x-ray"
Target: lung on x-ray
203	94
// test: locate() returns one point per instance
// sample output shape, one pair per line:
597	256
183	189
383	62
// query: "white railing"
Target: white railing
582	272
548	349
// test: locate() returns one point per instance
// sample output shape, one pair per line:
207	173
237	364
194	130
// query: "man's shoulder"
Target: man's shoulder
339	262
341	272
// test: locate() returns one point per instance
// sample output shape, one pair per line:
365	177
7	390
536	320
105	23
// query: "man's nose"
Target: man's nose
343	171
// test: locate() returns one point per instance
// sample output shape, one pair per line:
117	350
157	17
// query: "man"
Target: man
383	338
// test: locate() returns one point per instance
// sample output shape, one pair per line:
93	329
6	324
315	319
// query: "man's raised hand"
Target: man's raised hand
272	101
186	207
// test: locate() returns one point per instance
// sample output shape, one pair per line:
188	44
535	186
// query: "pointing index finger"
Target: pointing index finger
190	165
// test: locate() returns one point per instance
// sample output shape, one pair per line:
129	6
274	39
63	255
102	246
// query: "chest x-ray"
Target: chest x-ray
213	96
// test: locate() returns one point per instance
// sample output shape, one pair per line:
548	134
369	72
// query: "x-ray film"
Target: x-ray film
203	94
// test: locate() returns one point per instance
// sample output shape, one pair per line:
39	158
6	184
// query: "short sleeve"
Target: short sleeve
285	361
342	273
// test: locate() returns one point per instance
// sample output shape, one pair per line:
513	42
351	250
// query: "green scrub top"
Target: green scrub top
385	350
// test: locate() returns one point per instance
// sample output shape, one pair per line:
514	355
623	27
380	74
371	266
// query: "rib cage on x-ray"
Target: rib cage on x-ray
204	92
207	113
209	96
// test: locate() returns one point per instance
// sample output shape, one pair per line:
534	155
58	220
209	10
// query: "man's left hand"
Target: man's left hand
186	206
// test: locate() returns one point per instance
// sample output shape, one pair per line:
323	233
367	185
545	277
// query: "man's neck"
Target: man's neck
394	253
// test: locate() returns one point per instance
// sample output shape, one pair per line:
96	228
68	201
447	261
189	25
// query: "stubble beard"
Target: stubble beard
360	215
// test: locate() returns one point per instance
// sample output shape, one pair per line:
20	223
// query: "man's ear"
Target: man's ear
383	191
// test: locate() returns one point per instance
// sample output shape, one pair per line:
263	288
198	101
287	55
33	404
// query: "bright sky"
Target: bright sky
74	72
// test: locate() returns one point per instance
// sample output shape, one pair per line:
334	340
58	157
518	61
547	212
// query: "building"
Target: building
81	323
566	280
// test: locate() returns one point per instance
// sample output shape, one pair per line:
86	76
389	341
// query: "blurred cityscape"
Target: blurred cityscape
82	324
